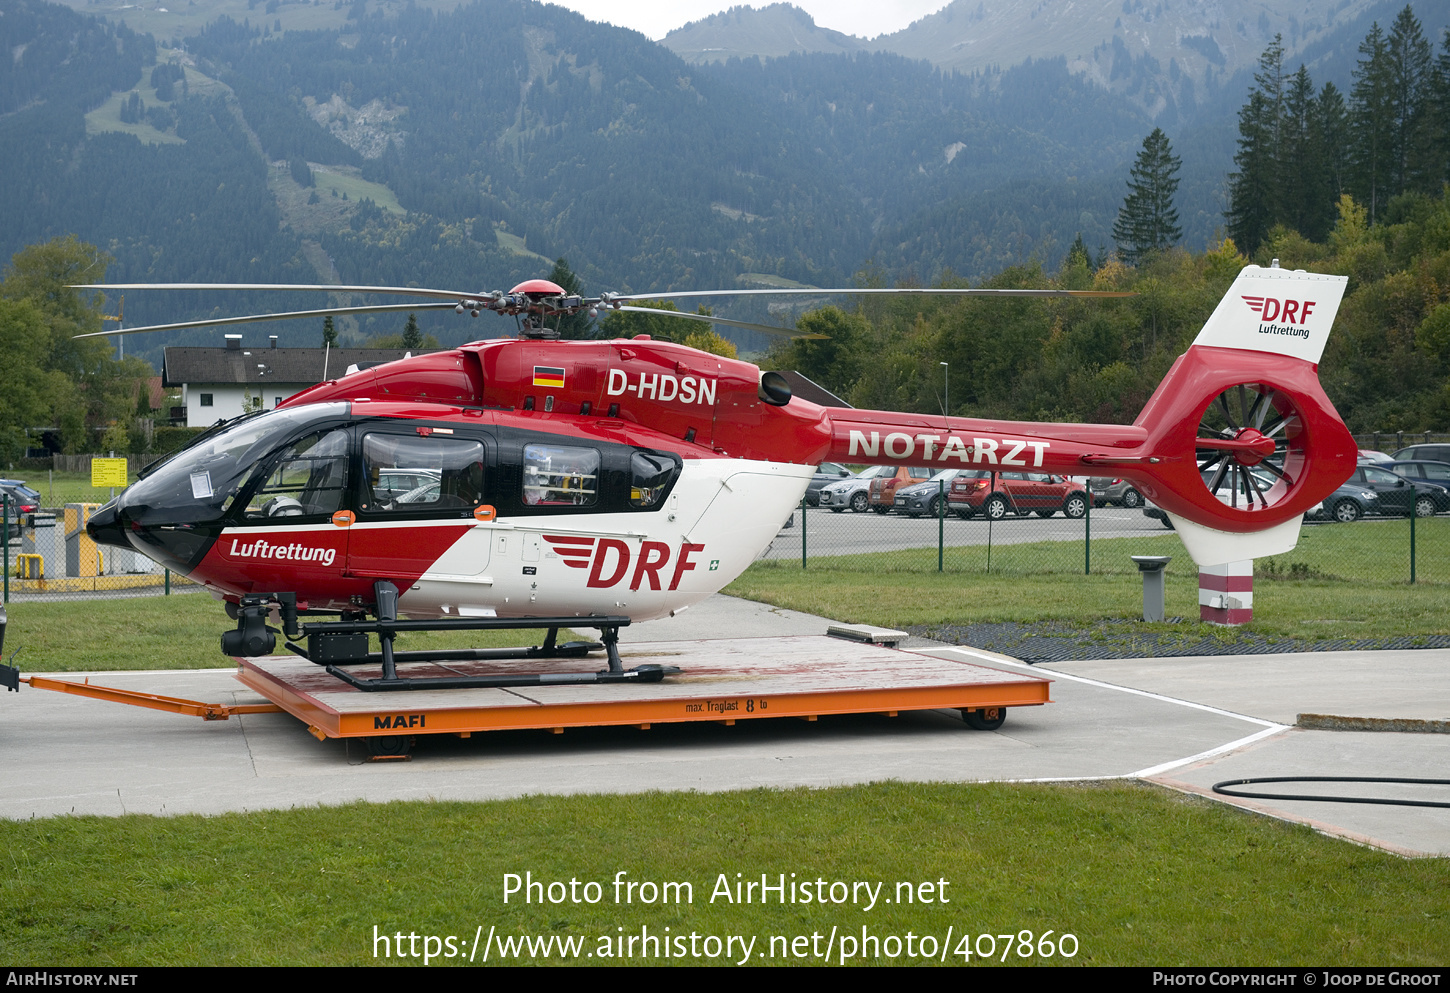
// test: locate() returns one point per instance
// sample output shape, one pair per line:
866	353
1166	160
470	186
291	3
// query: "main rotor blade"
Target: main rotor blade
315	287
219	321
913	290
707	319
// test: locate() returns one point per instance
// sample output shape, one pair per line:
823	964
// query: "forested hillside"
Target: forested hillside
1385	367
472	148
501	136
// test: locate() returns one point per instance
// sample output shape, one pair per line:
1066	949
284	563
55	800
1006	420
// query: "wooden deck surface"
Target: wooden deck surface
726	680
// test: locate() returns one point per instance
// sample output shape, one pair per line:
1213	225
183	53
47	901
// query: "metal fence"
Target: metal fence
1393	441
48	556
1380	549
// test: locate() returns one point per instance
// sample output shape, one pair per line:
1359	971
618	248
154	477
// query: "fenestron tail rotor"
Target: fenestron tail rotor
1250	446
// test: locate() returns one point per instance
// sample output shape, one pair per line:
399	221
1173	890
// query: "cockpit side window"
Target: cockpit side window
208	481
308	479
422	474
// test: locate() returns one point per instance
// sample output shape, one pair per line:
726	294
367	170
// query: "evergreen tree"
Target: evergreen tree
575	325
1438	169
1148	221
1371	150
1331	127
1301	155
1078	253
1254	190
329	333
1409	75
412	337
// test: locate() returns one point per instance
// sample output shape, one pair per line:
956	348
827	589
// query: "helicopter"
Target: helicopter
594	483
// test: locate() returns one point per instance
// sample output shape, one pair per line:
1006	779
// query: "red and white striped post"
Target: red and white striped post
1226	593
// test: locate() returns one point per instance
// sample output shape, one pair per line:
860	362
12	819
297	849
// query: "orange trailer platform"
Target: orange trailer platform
721	681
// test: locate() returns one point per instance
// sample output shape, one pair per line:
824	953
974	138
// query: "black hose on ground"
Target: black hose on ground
1220	788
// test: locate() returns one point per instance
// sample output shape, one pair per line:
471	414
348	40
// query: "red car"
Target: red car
997	494
883	487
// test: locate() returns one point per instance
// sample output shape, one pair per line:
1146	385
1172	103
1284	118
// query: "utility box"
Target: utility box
43	538
1152	567
82	557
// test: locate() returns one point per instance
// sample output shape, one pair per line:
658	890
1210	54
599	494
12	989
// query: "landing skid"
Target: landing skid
333	644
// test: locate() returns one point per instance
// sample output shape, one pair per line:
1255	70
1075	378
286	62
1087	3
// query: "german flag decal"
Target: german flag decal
548	375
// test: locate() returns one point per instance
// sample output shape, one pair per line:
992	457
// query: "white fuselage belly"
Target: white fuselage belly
721	514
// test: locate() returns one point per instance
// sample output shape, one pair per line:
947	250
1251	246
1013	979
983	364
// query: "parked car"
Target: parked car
1423	453
393	484
851	493
996	494
826	473
18	485
883	487
1106	490
925	497
1369	455
1436	473
20	506
1372	490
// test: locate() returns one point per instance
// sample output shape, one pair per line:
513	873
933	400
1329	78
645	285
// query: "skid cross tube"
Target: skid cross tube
327	637
639	674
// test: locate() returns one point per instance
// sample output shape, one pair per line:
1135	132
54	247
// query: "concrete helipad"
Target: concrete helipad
1186	723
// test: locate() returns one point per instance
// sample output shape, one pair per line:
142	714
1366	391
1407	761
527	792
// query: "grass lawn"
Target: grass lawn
1343	581
1137	875
60	488
182	631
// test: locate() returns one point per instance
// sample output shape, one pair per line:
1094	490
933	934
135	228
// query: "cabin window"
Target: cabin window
206	399
414	473
650	477
308	479
556	476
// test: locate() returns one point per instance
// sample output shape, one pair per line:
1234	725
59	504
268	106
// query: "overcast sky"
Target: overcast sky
657	18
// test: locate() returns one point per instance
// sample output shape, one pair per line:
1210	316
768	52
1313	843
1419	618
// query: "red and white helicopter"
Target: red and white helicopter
530	482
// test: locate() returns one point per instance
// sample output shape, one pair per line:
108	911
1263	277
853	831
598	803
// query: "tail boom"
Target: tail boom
1243	405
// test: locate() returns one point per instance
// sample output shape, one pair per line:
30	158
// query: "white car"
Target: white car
852	494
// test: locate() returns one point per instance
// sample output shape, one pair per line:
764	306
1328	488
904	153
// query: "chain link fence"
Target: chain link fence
1373	548
49	557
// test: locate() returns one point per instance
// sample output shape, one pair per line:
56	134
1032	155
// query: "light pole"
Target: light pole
946	386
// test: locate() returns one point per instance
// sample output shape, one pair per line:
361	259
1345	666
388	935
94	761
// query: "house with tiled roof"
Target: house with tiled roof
215	383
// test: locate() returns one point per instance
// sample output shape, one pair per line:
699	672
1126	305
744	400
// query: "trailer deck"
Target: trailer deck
721	681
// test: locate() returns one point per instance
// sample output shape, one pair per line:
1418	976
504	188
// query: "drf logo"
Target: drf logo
609	560
1290	311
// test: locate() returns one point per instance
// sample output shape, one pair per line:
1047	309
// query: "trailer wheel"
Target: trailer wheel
985	718
389	746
